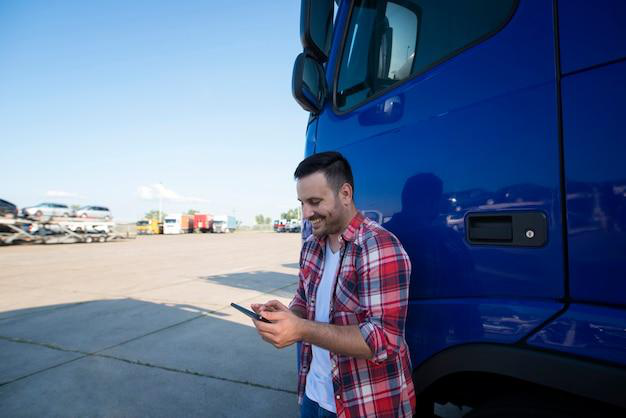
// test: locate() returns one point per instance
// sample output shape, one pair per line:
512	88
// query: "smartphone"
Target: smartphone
250	313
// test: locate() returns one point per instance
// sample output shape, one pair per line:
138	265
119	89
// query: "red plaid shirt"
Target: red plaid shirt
371	291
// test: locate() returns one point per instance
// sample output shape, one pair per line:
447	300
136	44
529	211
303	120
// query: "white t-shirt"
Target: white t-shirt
319	382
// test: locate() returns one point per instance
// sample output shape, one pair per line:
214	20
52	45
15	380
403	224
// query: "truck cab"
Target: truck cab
172	224
149	227
488	136
224	223
280	225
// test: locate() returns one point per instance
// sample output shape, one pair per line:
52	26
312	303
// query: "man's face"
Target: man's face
321	205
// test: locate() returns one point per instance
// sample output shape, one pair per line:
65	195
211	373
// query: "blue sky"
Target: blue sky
102	101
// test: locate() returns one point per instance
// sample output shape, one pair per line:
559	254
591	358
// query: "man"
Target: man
350	307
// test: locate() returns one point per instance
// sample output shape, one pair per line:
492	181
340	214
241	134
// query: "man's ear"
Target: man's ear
345	193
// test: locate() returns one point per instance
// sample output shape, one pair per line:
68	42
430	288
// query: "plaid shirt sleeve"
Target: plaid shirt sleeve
299	299
384	270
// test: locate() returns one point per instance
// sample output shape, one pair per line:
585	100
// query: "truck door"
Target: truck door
447	112
593	80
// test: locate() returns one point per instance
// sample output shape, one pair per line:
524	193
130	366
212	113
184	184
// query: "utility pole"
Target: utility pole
160	203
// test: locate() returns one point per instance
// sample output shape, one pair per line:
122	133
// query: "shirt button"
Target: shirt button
338	397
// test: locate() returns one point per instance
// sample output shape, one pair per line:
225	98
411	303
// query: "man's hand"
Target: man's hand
271	306
285	328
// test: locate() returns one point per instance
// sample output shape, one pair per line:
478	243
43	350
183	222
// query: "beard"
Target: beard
327	225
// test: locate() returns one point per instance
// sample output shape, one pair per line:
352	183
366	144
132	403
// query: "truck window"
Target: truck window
386	42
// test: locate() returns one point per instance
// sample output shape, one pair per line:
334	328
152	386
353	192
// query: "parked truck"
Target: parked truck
294	225
149	227
280	225
488	136
224	223
186	223
202	222
177	223
60	230
172	224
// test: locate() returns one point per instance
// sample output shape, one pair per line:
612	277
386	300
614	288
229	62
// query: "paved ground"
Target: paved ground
143	327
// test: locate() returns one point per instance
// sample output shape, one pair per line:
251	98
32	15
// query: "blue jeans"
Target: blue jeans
310	409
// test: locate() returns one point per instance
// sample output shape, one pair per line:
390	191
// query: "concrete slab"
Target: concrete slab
92	326
18	359
18	300
210	295
123	268
258	280
241	267
104	280
197	293
285	295
215	347
100	387
222	289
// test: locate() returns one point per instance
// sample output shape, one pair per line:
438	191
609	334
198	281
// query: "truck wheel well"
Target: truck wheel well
477	389
472	374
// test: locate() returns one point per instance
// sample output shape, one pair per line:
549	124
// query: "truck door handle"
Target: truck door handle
518	229
495	228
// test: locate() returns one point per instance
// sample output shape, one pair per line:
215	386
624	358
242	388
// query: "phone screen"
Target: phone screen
250	313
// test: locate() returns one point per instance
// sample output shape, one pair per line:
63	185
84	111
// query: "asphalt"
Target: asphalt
144	328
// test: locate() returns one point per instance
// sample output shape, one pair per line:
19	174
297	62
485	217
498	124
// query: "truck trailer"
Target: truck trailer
58	230
202	222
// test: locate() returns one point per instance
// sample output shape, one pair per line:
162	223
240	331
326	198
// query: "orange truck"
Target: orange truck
186	223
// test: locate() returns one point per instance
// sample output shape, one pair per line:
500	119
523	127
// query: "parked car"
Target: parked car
7	209
48	209
94	212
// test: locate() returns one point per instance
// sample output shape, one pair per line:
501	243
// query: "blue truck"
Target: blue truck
489	137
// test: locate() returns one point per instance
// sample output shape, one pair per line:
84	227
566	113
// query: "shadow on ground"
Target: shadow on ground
292	265
270	282
128	357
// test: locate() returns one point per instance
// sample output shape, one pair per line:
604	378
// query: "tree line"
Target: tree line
291	214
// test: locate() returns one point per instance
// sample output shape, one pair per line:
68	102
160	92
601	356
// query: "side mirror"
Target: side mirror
308	83
316	27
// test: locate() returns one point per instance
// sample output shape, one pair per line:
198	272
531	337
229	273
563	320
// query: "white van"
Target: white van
172	224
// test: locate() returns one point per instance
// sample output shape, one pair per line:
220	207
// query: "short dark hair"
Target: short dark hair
335	167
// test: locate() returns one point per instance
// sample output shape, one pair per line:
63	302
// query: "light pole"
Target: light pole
161	202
